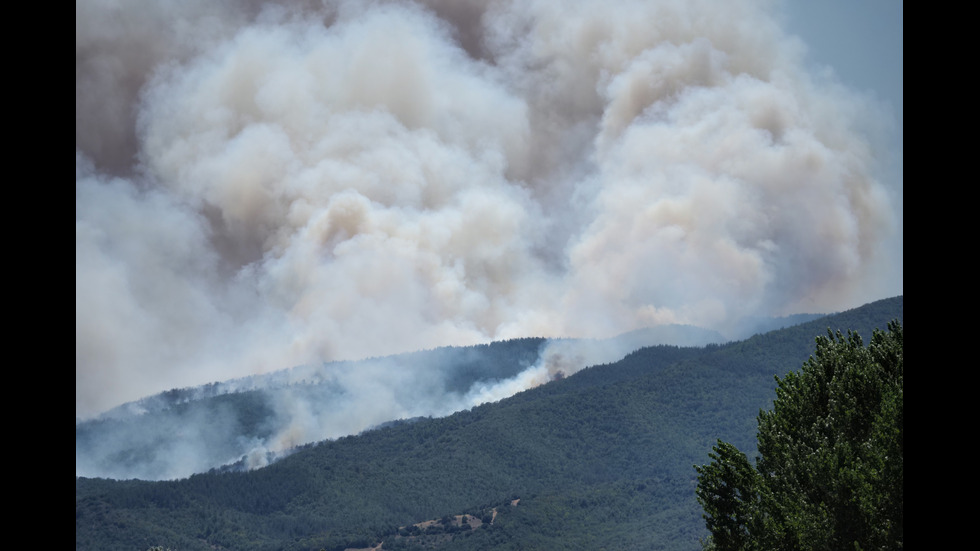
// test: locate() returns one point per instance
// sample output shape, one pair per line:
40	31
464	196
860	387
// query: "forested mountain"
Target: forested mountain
602	459
251	421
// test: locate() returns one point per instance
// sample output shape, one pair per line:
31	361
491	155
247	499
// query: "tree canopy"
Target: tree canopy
829	474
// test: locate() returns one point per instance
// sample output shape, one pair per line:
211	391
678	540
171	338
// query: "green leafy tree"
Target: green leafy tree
830	469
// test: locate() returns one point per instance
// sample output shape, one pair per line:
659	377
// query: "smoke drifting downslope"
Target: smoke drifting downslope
262	185
248	422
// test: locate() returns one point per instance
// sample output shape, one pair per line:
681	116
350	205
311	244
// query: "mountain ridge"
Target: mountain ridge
602	458
253	420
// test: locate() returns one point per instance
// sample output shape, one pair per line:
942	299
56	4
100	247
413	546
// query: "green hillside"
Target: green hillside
184	431
602	459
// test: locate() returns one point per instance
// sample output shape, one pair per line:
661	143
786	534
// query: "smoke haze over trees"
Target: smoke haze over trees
601	458
251	421
260	185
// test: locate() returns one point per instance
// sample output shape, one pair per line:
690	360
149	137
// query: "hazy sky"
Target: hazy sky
860	40
260	185
862	43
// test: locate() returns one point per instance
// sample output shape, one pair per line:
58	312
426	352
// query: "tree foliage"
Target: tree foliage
830	470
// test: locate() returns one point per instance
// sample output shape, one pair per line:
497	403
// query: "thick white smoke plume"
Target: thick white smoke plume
262	185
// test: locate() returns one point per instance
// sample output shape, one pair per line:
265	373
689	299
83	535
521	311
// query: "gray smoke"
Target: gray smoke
263	185
248	422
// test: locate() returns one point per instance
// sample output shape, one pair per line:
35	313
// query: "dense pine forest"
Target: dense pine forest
602	459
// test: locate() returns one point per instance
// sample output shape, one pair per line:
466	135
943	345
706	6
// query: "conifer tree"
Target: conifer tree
830	469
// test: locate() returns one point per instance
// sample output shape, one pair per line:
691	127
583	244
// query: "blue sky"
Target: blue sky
861	40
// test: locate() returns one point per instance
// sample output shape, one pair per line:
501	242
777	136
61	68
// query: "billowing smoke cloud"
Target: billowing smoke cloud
259	186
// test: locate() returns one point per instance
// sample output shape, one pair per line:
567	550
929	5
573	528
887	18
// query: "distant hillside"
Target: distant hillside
599	459
251	421
756	325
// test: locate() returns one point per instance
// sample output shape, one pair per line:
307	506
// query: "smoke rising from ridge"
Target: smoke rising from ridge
263	185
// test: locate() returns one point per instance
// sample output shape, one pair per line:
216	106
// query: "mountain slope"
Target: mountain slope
602	458
253	420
